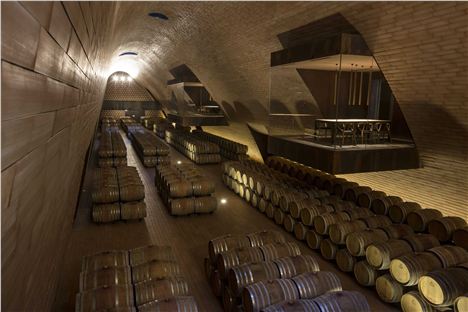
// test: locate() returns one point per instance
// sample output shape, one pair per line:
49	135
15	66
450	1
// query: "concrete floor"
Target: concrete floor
188	236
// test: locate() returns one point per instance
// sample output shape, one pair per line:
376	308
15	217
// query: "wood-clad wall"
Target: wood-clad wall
52	89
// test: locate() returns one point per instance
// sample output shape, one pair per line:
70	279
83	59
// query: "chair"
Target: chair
365	129
347	130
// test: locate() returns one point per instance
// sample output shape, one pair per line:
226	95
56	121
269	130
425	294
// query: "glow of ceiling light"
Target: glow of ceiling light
127	64
223	201
179	162
129	78
122	78
115	78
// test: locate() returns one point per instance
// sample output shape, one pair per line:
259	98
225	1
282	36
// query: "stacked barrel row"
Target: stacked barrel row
146	278
185	190
107	122
407	216
151	150
228	149
326	221
262	272
118	194
199	151
112	151
128	124
149	122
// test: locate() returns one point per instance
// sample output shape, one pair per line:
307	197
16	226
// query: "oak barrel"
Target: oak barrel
242	255
248	274
322	222
420	242
357	242
261	238
377	221
295	207
133	210
418	219
154	270
105	277
400	211
328	249
103	298
340	230
313	239
307	214
365	199
104	260
278	216
314	284
461	303
182	206
345	260
412	301
160	289
381	205
450	255
352	194
343	301
365	274
295	265
175	304
379	255
442	287
388	289
289	223
300	231
407	269
270	210
444	227
279	250
257	296
262	205
397	231
205	204
301	305
225	243
106	213
460	237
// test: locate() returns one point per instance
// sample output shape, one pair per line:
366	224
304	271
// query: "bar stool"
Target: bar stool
347	129
365	129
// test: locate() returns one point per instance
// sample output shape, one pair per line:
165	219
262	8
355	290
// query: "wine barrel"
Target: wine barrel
154	270
205	204
352	194
181	188
329	184
300	231
133	210
397	231
460	237
182	206
314	284
407	269
412	301
342	205
262	205
265	237
224	243
400	211
289	223
132	192
278	216
450	255
295	207
339	189
313	239
254	200
444	227
418	219
328	249
103	298
365	274
365	199
103	260
388	289
175	304
257	296
216	283
442	287
230	301
247	194
247	274
380	254
209	268
345	260
343	301
461	303
301	305
105	195
202	187
377	221
270	210
381	205
292	266
340	230
243	255
322	222
357	242
276	193
160	289
288	198
307	214
421	242
279	250
146	254
106	213
241	191
105	277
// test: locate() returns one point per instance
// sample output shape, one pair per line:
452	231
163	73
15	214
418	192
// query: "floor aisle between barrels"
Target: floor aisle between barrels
188	236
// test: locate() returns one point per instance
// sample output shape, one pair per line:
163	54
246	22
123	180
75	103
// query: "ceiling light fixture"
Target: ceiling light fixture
115	78
129	78
223	201
158	15
122	78
128	53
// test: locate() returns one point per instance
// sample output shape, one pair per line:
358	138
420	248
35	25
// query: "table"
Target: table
351	126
